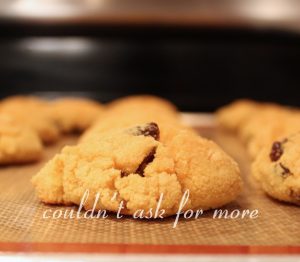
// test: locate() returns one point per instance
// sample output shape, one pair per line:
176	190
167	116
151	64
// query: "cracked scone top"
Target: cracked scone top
277	170
139	164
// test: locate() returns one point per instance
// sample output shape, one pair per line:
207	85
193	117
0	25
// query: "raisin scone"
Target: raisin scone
135	166
32	112
75	114
258	124
138	102
234	115
277	169
133	110
18	144
263	128
266	131
237	114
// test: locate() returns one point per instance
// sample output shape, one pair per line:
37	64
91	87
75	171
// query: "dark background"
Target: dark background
198	68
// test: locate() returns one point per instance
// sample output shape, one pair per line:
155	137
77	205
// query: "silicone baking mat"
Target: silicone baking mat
23	227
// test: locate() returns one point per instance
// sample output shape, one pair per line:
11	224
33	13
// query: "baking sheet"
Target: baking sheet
21	214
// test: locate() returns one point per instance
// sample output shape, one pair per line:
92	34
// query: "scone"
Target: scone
18	144
138	164
138	102
74	114
277	169
129	111
234	115
32	112
271	123
279	125
258	124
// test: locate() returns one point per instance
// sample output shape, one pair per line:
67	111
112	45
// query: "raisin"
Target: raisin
286	172
147	160
140	170
123	173
276	151
150	129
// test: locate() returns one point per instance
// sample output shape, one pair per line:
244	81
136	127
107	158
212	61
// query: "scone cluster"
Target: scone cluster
136	151
28	124
271	134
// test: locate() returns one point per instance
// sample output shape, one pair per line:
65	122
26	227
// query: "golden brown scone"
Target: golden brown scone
139	164
277	169
258	124
32	112
75	114
144	102
271	123
144	108
267	116
18	144
133	110
236	114
110	120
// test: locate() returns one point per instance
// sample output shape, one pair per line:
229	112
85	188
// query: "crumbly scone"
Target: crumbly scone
277	169
144	108
32	112
111	120
267	116
145	102
139	164
133	110
75	114
280	125
258	124
234	115
271	123
18	144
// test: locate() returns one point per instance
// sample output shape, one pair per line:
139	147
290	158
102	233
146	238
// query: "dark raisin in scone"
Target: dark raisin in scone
277	169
